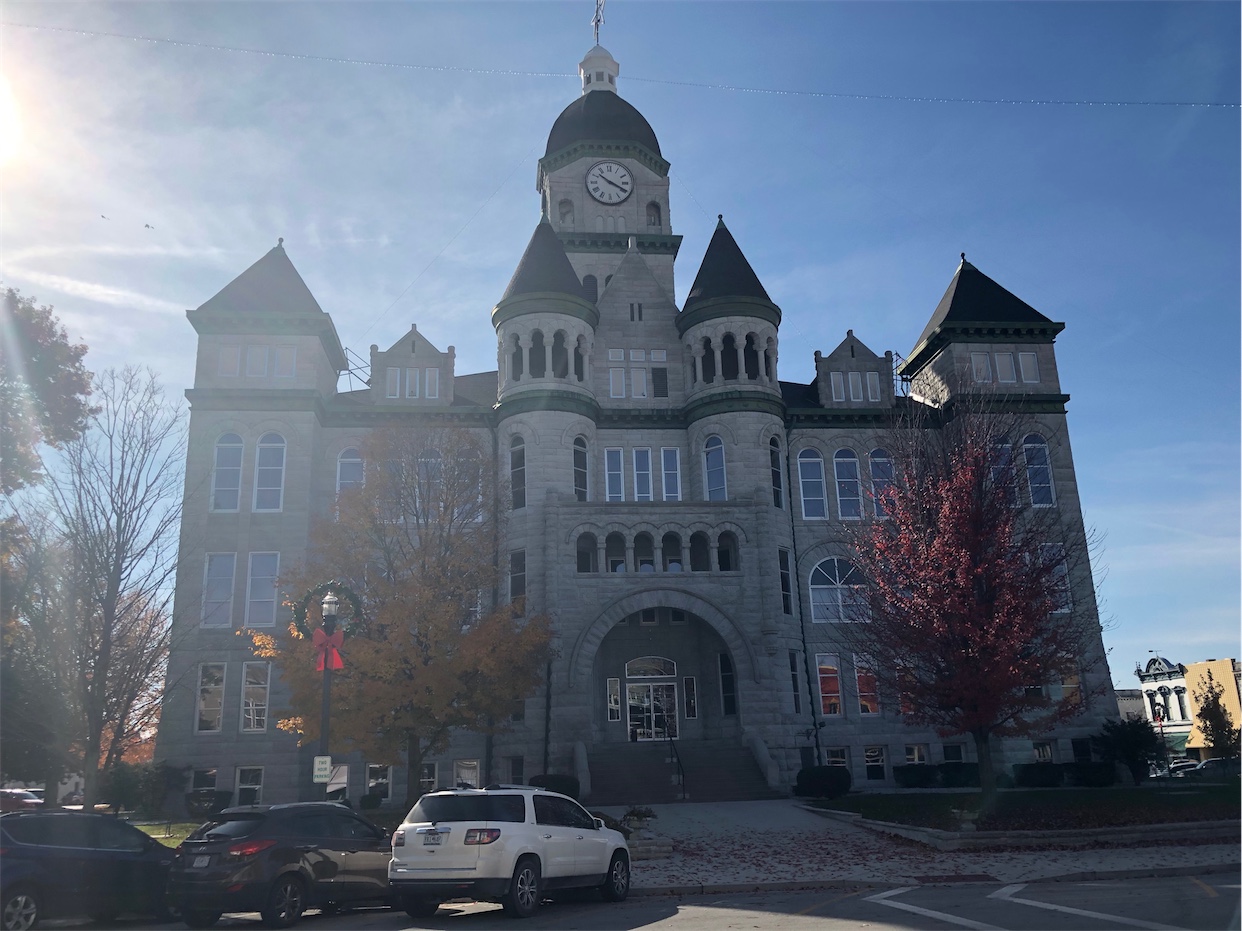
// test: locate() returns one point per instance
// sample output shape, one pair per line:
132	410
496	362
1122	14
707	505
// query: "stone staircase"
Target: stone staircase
641	773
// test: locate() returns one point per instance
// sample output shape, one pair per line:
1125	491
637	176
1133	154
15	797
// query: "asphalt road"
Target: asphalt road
1209	902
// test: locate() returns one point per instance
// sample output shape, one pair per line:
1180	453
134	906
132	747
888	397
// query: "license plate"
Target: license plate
201	862
431	840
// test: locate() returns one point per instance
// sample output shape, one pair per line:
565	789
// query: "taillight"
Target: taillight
250	848
398	838
477	836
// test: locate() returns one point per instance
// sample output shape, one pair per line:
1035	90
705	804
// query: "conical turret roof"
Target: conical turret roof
270	285
724	272
973	297
544	266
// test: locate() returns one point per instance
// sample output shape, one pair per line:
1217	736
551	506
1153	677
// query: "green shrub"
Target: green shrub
823	781
915	776
1091	773
1038	775
370	801
203	803
958	775
1004	781
558	782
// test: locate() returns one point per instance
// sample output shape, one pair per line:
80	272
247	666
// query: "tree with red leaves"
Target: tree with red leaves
968	614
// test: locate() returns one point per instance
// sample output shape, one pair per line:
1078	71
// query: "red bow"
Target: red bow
328	647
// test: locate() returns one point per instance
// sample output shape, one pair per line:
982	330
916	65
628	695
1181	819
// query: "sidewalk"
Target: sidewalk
727	845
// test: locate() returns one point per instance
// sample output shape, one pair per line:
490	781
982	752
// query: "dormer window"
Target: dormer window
981	368
838	385
873	386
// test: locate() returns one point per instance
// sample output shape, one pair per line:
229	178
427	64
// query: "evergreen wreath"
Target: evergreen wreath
348	626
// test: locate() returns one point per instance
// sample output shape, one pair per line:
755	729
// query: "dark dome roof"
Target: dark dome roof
604	116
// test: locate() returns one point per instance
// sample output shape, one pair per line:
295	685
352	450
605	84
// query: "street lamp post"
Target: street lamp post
330	606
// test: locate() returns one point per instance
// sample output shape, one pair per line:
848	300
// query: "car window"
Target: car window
228	827
546	810
26	830
354	828
315	824
579	816
116	835
70	831
508	808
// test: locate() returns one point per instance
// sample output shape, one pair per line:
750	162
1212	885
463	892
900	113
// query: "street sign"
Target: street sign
321	772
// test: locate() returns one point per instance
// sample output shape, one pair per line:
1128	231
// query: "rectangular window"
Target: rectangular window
676	617
203	779
580	472
616	355
255	678
659	355
782	558
636	314
955	753
1029	365
728	686
829	683
837	756
256	361
517	581
286	361
670	463
838	385
642	475
1005	373
638	383
690	699
616	383
517	770
811	482
393	383
873	386
638	355
210	711
261	592
518	714
793	682
916	754
228	363
412	379
856	386
868	690
1053	555
874	757
433	384
614	699
466	774
249	785
1042	750
659	383
226	476
428	779
379	780
981	368
614	485
218	589
647	617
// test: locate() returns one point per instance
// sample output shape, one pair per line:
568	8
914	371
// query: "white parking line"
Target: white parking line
1007	895
883	899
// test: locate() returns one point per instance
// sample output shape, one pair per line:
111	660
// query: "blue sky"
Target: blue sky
406	194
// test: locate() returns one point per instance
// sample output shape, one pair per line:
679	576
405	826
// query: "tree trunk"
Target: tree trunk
987	771
413	768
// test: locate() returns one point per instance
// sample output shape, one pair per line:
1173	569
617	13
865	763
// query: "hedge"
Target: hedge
958	775
915	776
1091	773
823	781
203	803
1038	775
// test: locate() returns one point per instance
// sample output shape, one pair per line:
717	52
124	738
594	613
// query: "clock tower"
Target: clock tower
602	180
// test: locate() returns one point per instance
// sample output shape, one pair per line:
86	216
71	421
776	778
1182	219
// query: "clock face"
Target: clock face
609	182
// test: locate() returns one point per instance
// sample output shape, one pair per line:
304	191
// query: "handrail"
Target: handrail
675	758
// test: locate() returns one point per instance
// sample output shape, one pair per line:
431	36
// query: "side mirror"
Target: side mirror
599	823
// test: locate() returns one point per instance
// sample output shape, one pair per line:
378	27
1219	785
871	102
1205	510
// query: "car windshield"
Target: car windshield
510	808
240	826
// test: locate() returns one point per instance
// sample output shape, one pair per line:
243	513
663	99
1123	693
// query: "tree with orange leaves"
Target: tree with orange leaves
437	647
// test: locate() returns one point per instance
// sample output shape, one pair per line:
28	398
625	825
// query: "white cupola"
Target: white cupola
599	71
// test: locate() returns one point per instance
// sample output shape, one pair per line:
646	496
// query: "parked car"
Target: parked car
67	864
506	844
1175	768
279	860
1217	768
18	800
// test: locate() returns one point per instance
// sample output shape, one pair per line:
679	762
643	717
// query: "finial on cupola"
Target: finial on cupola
280	241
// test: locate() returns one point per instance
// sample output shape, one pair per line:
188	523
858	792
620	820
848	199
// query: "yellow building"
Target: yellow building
1226	673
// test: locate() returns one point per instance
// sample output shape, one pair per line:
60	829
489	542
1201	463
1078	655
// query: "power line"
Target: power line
737	88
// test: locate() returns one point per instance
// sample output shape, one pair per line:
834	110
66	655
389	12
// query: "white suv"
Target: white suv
506	844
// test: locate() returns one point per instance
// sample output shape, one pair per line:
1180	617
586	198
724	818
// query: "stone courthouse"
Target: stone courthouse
682	509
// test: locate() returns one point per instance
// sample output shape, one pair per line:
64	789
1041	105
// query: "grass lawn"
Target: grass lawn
169	834
1048	809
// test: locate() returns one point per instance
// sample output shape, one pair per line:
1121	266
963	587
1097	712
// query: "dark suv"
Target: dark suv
279	860
67	864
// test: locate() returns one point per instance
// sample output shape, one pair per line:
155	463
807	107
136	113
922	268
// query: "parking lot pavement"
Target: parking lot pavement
731	844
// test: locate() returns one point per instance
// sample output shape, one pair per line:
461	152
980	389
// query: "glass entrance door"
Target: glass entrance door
652	711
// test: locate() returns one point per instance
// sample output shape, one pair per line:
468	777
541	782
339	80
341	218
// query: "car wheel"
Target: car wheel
199	919
522	899
419	908
21	909
617	883
285	902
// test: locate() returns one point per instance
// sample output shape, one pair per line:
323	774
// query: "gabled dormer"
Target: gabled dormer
412	373
852	376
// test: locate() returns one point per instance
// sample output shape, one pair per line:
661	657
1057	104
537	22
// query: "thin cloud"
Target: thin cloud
100	293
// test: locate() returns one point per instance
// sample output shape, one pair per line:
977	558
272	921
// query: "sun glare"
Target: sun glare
10	126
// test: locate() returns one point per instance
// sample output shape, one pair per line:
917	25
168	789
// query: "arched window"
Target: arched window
226	473
700	552
560	355
653	215
881	479
849	490
709	362
644	553
599	223
620	224
726	552
811	480
515	360
349	469
590	288
750	357
517	471
538	355
650	667
1038	471
467	485
728	358
778	480
566	211
588	553
714	469
837	593
429	491
580	468
614	552
269	473
670	552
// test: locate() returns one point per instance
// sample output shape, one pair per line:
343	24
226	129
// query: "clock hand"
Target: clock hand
613	183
